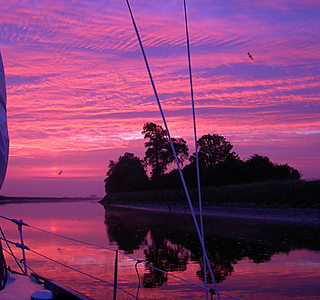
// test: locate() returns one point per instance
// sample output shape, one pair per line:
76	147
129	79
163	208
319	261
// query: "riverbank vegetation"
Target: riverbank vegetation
225	177
276	194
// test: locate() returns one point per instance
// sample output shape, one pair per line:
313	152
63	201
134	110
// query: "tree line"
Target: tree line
219	165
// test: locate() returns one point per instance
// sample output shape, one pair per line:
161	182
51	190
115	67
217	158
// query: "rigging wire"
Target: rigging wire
137	262
81	272
109	249
9	268
173	149
195	141
11	252
120	252
70	238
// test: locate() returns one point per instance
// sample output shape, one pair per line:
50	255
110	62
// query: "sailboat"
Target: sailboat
4	149
4	139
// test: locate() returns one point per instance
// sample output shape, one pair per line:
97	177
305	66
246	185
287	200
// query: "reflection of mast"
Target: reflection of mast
4	139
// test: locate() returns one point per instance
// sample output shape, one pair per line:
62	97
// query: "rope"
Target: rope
81	272
172	147
135	266
195	143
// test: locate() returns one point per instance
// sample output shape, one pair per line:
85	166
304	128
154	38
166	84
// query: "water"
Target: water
251	259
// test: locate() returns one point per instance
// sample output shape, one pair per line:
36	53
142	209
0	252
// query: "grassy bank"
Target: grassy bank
283	194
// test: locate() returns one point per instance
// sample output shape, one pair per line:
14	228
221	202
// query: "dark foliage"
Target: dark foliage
260	168
158	151
276	194
214	149
219	165
126	175
232	171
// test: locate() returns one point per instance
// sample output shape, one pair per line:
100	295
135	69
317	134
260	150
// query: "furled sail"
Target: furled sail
4	139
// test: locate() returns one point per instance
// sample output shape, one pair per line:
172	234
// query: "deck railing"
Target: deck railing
116	252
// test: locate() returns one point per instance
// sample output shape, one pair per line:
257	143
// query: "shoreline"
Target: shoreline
276	194
8	200
294	216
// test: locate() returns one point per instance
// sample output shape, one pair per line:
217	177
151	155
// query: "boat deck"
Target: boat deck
20	287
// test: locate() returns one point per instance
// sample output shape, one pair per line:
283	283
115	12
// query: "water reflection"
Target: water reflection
170	241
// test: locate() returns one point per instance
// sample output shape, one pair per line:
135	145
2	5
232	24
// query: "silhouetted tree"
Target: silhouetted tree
126	175
287	172
219	165
231	171
260	168
158	151
214	149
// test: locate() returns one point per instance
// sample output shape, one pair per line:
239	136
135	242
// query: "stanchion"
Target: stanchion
22	249
115	276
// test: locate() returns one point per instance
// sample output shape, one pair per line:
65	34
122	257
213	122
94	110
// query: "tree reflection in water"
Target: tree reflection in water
127	232
173	242
166	257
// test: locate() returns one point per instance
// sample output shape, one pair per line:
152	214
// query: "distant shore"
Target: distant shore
6	199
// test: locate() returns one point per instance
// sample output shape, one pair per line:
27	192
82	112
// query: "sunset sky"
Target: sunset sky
78	91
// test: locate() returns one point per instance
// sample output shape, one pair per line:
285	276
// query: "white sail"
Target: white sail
4	139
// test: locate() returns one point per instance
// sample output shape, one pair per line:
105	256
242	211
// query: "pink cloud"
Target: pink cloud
77	83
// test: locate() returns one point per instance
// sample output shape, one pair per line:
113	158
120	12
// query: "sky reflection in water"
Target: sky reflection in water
253	261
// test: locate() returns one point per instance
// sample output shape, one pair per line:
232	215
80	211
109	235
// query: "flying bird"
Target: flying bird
250	56
60	173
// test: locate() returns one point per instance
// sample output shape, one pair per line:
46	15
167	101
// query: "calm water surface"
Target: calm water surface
252	260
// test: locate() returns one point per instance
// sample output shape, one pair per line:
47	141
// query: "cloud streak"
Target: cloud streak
77	84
